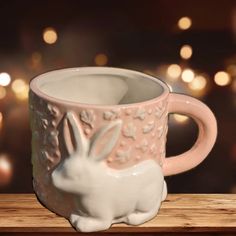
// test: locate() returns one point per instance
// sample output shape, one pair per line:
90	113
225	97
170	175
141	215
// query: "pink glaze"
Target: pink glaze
207	126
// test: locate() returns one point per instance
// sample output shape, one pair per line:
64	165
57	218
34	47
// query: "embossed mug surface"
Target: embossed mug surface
98	143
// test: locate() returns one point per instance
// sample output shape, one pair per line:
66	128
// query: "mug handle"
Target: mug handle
207	127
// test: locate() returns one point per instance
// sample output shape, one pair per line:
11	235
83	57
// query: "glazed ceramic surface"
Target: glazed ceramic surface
98	144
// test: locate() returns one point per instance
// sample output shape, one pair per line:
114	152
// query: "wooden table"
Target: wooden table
180	213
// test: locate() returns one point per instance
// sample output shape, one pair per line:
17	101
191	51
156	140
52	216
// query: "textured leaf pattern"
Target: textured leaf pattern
143	146
130	131
140	114
110	115
88	117
142	136
153	149
54	111
123	155
148	127
44	120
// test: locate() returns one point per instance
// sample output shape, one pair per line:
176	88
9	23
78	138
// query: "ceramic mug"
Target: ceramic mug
98	143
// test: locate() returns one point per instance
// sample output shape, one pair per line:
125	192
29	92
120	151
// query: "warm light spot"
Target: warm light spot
5	79
24	94
187	75
198	83
2	92
101	59
18	85
186	51
5	165
174	71
50	35
184	23
180	118
222	78
20	88
5	170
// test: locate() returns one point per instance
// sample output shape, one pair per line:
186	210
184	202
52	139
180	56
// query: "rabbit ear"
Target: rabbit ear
73	135
105	140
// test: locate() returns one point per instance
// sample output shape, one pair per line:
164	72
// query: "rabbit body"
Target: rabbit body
103	195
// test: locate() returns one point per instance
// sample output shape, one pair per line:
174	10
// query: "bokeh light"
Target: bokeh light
18	85
198	83
5	79
184	23
49	35
101	59
23	95
187	75
174	71
5	170
180	118
20	88
222	78
3	92
186	51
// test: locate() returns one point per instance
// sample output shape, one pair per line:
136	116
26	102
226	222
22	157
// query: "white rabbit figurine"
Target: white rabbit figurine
103	195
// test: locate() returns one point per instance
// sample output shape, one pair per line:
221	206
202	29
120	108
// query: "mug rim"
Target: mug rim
35	88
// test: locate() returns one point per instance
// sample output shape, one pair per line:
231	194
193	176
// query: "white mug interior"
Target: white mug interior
100	85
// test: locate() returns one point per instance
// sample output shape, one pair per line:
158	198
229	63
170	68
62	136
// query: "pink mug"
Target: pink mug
98	143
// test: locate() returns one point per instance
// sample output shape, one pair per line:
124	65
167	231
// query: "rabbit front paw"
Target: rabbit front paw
138	218
88	224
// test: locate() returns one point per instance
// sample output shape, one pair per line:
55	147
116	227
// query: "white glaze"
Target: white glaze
96	187
99	88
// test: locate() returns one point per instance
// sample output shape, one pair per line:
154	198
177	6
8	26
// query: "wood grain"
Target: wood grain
179	213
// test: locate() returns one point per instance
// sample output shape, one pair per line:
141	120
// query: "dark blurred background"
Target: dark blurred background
189	44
